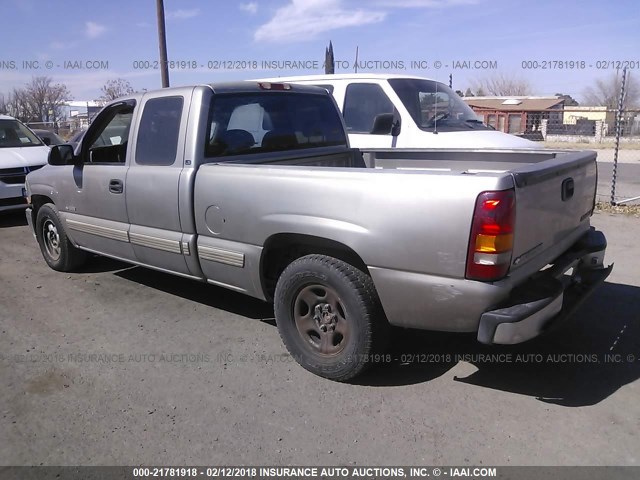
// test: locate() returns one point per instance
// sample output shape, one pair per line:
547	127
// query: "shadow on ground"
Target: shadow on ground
12	219
581	363
99	264
200	292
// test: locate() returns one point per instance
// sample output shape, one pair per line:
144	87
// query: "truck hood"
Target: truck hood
23	156
477	139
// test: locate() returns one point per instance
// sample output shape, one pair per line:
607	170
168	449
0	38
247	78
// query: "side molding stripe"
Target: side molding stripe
113	233
172	246
219	255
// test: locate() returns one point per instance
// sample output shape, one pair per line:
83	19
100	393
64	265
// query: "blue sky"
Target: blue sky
123	34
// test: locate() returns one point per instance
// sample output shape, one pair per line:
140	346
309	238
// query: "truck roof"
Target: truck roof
342	76
249	86
6	117
243	86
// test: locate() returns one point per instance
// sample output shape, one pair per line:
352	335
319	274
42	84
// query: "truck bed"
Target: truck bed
355	191
548	218
465	160
522	163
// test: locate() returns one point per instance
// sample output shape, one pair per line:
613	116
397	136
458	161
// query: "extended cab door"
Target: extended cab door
95	208
153	181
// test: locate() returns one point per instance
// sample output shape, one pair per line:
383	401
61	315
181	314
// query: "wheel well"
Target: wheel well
38	201
282	249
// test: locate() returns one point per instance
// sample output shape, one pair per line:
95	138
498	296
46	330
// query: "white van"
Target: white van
21	152
382	111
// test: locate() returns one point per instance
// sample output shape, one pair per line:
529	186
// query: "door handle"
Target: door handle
115	186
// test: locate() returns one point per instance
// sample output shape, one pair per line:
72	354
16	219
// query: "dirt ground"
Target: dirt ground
120	365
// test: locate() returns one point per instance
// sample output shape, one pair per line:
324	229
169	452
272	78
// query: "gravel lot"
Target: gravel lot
119	365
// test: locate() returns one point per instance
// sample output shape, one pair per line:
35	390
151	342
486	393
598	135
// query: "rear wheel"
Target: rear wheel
57	250
329	316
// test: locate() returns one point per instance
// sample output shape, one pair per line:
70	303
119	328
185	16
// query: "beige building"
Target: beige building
572	115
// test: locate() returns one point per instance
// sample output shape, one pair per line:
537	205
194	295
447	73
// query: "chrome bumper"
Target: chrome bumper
550	296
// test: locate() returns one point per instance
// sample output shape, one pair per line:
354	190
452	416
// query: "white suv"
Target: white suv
21	152
424	113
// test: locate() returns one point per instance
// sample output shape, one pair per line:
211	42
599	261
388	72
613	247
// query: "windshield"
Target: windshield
14	134
45	135
433	105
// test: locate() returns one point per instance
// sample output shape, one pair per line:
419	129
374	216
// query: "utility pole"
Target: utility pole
162	44
355	65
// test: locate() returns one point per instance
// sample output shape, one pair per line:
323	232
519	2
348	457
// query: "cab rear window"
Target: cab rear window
270	122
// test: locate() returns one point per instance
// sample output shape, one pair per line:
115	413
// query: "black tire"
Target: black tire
57	250
329	317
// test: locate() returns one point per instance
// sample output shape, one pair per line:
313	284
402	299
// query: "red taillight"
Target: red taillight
491	241
274	86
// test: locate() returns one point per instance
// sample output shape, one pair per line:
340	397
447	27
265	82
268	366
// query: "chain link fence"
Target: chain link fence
615	135
614	132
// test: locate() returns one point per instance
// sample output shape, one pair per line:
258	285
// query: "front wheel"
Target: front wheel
57	250
329	316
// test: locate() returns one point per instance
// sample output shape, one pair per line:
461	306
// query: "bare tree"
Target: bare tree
606	92
18	105
41	100
502	85
4	104
115	89
568	100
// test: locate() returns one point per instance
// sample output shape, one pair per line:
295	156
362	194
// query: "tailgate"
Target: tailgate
554	201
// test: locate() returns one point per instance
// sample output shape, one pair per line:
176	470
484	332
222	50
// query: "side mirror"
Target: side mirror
382	124
61	155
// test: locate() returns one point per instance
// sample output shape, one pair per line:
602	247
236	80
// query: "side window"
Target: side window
515	122
157	141
108	143
363	101
491	120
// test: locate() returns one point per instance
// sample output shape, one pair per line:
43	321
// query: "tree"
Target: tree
4	104
114	89
459	92
468	92
606	92
501	85
39	101
329	61
46	99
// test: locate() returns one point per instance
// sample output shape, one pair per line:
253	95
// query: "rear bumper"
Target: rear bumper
548	297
